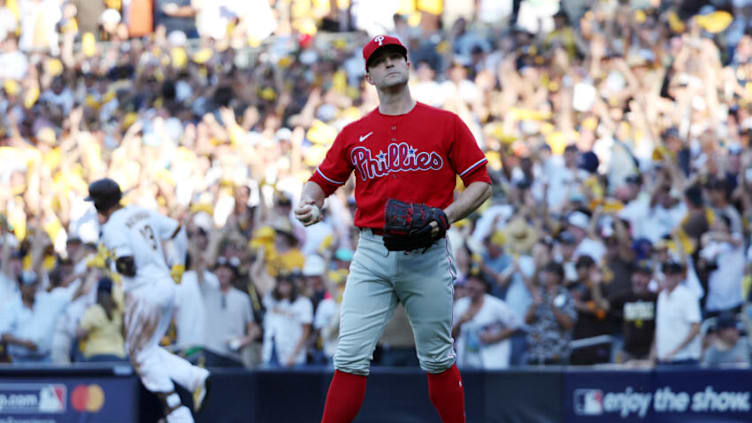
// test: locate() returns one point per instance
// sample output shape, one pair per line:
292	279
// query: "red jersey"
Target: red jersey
414	157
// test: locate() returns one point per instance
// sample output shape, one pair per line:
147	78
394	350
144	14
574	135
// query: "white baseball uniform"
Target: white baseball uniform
149	298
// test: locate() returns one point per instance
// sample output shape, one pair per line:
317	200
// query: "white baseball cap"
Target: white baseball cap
579	219
203	221
110	16
177	38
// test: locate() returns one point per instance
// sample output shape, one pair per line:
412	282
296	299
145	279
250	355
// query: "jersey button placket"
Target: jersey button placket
394	140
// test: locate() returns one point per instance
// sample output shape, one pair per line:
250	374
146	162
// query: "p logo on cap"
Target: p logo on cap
381	41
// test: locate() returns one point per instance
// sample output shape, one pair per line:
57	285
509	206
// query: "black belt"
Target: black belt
375	231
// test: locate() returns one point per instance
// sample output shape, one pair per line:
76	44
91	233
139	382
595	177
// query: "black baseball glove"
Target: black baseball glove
408	225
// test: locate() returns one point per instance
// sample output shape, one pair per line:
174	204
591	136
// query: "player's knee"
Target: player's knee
354	366
358	365
139	354
435	350
145	361
435	366
436	363
353	355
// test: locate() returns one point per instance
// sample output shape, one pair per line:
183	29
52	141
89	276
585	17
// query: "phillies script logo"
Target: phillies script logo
399	157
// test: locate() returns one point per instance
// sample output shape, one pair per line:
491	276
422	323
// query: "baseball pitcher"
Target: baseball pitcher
406	157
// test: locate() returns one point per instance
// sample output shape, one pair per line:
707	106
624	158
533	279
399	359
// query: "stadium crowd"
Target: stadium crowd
617	134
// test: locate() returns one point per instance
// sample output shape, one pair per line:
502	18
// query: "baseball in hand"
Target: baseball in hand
315	214
308	214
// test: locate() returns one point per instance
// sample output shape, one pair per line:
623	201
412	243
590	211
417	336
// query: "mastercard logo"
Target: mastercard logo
87	398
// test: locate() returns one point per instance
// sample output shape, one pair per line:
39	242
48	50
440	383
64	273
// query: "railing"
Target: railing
528	395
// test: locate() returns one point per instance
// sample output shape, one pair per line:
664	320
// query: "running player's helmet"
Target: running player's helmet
105	193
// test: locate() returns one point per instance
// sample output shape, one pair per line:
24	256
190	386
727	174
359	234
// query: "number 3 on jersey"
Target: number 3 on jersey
148	233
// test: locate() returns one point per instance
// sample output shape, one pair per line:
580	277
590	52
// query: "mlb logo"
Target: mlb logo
52	399
588	402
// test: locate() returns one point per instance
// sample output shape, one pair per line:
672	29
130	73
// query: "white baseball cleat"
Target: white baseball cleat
180	415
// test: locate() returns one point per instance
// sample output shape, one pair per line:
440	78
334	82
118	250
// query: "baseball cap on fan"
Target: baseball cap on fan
382	41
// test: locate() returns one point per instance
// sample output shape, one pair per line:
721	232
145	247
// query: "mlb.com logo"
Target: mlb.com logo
588	402
52	399
19	398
